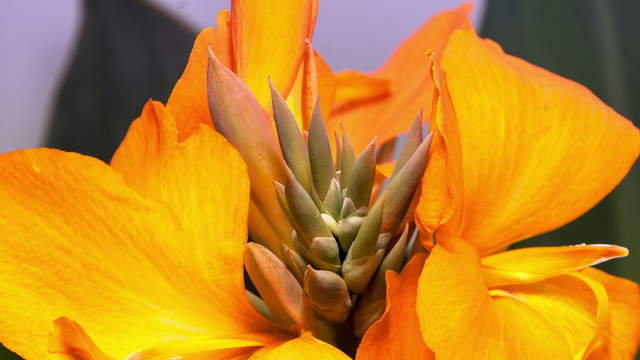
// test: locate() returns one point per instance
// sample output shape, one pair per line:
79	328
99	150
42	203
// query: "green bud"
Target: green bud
358	272
347	230
259	305
330	222
282	200
401	189
414	138
365	243
295	263
278	288
322	169
324	253
328	294
305	214
292	143
348	207
238	116
347	159
361	182
333	200
371	304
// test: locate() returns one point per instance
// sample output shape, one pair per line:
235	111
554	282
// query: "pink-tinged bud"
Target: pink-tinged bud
238	116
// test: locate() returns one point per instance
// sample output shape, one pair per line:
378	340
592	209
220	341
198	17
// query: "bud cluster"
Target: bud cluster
324	228
344	239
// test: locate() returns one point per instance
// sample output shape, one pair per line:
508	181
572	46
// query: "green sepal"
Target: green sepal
414	138
322	169
306	216
361	180
401	189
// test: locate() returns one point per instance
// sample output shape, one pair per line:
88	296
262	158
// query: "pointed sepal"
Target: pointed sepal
361	181
322	168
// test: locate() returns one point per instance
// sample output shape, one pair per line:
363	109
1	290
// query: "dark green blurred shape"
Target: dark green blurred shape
128	52
593	42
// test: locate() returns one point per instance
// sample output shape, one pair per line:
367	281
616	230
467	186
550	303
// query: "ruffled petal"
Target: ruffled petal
304	347
460	319
396	335
138	257
188	100
533	151
407	70
621	335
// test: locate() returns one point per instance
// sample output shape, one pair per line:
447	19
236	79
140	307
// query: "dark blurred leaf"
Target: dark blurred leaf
593	42
127	53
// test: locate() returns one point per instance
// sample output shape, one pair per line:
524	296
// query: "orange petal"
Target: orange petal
304	347
354	88
69	341
315	80
538	150
412	88
538	263
385	169
460	320
435	204
622	332
269	40
396	335
188	100
135	266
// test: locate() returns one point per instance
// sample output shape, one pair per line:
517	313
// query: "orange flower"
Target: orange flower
143	258
518	151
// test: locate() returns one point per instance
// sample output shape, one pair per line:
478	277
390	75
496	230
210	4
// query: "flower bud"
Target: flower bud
328	294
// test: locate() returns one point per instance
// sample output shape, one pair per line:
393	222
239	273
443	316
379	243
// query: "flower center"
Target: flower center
350	224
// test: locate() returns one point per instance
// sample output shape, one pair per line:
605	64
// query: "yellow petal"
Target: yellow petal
533	150
622	332
305	347
188	100
396	335
576	305
411	85
538	263
269	41
134	266
200	349
459	319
